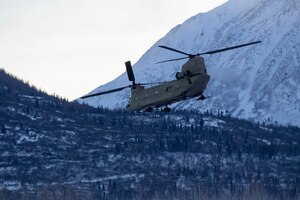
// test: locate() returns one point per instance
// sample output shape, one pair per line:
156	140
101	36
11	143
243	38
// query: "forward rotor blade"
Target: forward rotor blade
171	49
105	92
173	59
228	48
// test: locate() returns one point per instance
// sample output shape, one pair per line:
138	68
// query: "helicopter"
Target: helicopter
189	83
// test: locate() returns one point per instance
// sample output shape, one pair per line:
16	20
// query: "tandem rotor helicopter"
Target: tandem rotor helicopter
189	83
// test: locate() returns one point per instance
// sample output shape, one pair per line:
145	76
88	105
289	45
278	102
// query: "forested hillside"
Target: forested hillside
50	144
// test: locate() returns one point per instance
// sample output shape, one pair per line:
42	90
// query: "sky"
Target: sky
70	47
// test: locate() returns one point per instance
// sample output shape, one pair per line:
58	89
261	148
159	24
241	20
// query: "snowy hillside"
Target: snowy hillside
50	145
258	82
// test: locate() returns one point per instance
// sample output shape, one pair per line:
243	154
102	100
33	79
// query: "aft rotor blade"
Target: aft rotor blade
105	92
153	83
228	48
173	59
171	49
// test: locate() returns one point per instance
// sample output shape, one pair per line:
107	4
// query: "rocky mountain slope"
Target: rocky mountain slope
259	82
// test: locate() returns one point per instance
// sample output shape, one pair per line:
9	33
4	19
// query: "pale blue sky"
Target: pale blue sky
69	47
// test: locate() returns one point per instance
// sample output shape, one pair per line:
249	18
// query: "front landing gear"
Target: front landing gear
166	109
150	109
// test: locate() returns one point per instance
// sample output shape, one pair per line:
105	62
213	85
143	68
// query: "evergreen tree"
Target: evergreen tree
3	129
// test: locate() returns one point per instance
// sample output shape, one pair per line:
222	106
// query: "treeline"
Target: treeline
63	192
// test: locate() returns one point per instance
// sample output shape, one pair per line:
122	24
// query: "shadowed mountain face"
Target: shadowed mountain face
117	154
259	82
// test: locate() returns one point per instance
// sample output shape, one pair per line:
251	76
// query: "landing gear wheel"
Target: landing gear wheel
202	97
166	109
149	110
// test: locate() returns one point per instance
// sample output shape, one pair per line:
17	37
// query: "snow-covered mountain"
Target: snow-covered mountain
260	82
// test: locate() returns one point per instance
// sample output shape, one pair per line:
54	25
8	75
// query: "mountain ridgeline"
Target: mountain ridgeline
47	141
259	82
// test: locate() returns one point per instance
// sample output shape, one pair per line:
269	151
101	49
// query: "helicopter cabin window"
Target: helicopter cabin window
168	88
